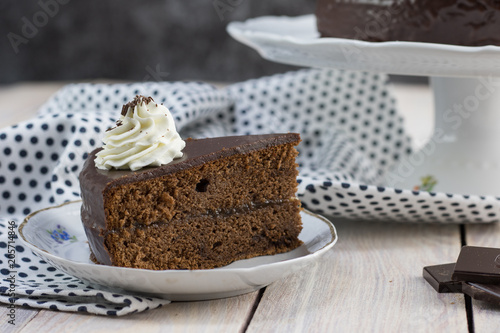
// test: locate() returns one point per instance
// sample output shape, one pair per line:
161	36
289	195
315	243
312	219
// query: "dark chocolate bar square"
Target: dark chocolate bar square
478	264
439	277
483	292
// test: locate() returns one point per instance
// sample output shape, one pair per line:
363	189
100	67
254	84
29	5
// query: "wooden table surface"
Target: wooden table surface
371	281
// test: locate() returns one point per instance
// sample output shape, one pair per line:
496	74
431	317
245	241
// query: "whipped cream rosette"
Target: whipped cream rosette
145	135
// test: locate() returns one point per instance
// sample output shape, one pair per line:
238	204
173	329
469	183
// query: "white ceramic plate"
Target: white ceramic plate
56	235
295	41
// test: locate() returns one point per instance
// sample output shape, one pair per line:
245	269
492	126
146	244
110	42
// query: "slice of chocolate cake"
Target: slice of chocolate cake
225	199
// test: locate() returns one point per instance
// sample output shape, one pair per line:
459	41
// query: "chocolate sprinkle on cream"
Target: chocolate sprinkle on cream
118	124
138	100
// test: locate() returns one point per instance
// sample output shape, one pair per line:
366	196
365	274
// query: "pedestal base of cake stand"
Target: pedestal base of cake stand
463	154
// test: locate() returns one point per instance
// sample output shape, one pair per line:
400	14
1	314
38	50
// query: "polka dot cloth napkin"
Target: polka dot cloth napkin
351	136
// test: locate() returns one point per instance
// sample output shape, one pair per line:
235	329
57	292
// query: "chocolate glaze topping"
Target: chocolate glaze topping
94	182
459	22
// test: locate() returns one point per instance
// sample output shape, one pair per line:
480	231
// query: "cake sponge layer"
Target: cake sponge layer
218	186
203	242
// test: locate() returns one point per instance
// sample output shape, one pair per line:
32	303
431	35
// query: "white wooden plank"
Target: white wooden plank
370	281
21	316
19	102
486	316
224	315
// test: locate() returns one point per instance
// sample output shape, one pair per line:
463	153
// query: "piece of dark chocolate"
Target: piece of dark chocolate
439	277
483	292
478	264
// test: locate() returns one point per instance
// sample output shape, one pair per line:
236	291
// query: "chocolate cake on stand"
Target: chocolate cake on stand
462	153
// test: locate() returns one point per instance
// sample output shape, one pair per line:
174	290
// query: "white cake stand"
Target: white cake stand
463	154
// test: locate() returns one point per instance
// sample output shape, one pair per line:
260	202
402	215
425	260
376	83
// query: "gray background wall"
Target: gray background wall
132	40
